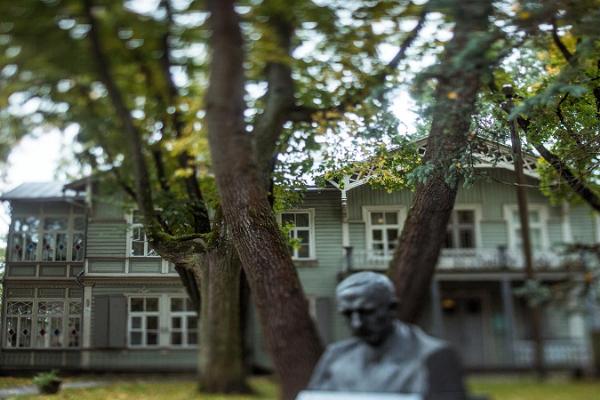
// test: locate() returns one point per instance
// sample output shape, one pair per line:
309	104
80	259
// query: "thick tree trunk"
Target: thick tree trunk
290	333
221	368
424	232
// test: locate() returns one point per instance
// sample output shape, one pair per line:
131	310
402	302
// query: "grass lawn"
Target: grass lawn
11	381
528	388
498	388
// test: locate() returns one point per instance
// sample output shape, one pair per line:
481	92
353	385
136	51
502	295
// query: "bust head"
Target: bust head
368	301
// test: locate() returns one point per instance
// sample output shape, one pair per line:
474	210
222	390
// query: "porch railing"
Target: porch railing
557	352
482	258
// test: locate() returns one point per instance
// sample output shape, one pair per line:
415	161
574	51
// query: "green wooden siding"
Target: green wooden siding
582	224
106	266
21	270
53	270
145	265
106	239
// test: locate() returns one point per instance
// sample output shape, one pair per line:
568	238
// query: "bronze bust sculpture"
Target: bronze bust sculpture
384	354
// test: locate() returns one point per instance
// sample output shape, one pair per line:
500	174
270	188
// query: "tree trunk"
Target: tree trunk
424	232
291	336
221	368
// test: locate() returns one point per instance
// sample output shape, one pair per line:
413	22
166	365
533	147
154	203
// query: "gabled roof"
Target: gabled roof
40	191
489	154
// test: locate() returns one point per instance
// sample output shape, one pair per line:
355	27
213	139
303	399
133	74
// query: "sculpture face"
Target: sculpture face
369	312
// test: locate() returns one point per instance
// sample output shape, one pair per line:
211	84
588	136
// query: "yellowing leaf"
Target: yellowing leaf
452	95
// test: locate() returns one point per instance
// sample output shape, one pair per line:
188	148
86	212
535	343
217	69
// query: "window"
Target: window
62	238
78	243
144	316
140	247
301	231
54	239
537	227
24	239
18	323
161	320
461	233
383	229
43	323
183	322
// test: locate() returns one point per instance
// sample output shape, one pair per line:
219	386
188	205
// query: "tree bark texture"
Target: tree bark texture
424	231
221	367
291	336
221	362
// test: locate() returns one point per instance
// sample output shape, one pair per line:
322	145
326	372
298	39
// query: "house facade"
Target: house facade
83	289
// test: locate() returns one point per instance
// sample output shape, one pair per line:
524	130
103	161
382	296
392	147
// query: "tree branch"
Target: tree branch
305	114
563	170
576	184
197	203
279	100
558	43
132	135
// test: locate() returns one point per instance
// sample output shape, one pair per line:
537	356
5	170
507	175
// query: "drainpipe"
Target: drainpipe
345	226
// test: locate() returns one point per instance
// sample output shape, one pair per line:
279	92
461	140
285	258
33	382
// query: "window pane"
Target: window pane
176	323
192	338
48	247
192	322
466	216
391	218
151	304
176	304
466	239
136	338
303	236
78	245
176	339
136	322
304	251
536	238
55	224
61	247
151	338
152	323
377	218
137	304
137	248
188	305
534	216
16	252
31	242
287	219
392	235
151	252
302	219
377	234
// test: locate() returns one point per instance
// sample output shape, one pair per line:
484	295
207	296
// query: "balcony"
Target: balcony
557	352
472	259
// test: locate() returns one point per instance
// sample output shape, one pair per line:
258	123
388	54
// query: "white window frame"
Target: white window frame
13	233
476	208
55	233
164	321
69	231
512	226
312	252
366	214
143	315
129	248
66	316
185	316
